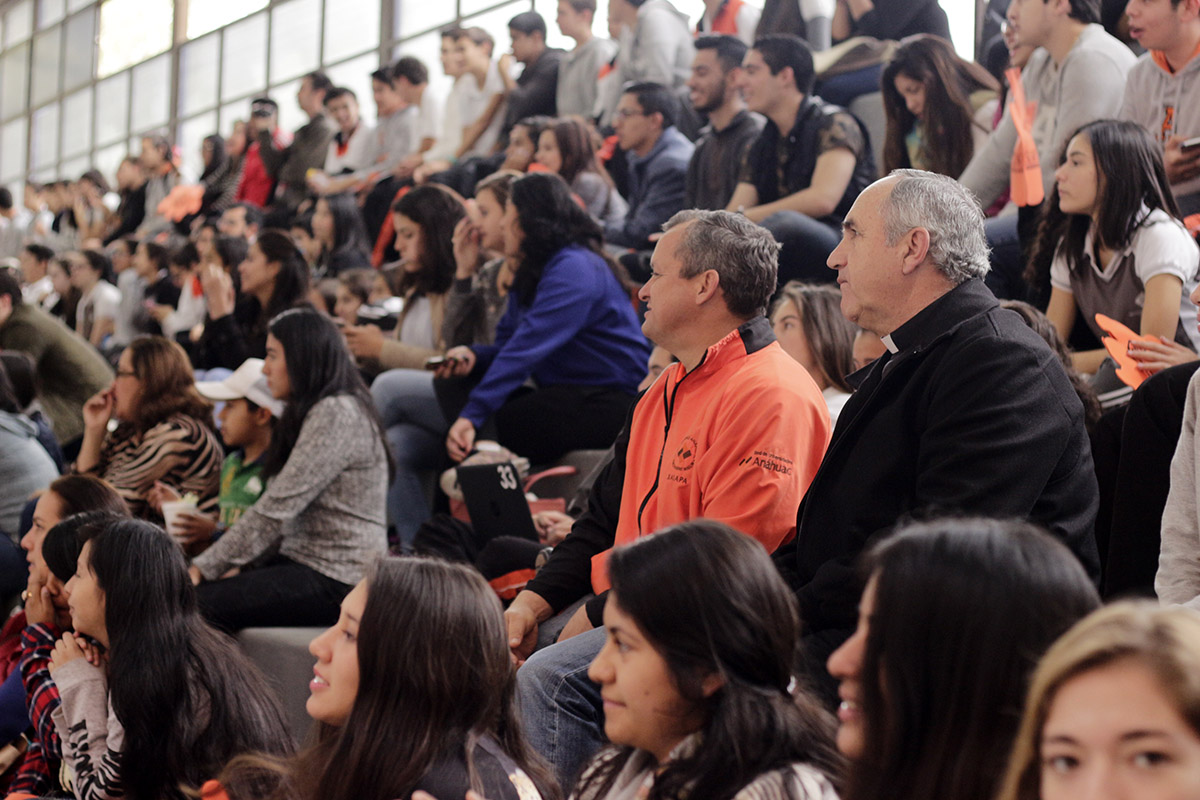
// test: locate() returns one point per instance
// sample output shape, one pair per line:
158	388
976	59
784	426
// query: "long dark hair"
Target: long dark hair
318	366
733	618
830	335
550	220
291	282
948	118
187	697
1129	175
577	149
168	386
436	210
79	493
349	233
219	156
964	609
434	677
62	544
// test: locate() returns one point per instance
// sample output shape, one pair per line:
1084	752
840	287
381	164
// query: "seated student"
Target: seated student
64	301
25	466
132	307
300	229
483	274
697	677
150	262
242	220
867	347
272	279
655	47
131	188
22	375
657	155
448	727
533	92
481	95
575	93
809	164
35	263
730	18
96	314
164	430
939	107
172	700
412	82
353	292
162	175
424	220
337	226
809	325
1112	706
565	148
256	182
183	264
247	417
523	143
222	172
1160	91
348	150
952	621
716	92
326	471
569	325
1115	245
288	165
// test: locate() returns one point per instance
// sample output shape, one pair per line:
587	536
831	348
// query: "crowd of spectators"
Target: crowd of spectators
878	439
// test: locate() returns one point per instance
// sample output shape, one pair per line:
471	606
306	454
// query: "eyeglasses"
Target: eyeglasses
625	113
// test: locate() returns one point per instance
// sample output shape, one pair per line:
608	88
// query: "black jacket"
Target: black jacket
973	415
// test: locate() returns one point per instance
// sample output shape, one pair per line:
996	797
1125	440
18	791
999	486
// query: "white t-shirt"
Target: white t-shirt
353	156
103	299
473	102
429	116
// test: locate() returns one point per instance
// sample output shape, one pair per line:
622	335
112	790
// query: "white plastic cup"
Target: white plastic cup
171	512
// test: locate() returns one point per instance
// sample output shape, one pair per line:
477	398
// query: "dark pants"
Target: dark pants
1133	452
280	594
844	89
807	243
545	423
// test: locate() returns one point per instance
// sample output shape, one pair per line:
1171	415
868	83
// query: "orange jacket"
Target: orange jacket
738	439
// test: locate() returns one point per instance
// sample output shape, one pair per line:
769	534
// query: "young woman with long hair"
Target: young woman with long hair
413	689
184	699
952	621
1115	704
327	472
810	328
938	107
569	325
566	148
164	432
424	220
273	278
337	224
1112	242
696	675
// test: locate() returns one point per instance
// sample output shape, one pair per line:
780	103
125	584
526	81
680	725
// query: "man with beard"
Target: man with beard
712	173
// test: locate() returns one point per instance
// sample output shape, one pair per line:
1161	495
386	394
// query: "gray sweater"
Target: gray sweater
1178	578
325	508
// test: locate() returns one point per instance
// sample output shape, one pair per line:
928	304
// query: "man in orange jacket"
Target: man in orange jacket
735	432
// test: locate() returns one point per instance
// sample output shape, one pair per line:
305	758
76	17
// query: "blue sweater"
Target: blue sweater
581	329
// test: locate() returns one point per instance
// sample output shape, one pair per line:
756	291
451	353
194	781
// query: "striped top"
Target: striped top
179	451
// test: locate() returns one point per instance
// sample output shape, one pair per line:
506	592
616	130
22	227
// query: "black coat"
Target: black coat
973	415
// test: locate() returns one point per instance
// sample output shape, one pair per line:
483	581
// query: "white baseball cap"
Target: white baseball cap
247	383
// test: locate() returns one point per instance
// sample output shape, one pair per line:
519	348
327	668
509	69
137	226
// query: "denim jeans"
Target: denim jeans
561	707
416	432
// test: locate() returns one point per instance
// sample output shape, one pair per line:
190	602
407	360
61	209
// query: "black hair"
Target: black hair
185	256
732	623
780	50
349	233
1088	11
219	156
39	252
264	101
340	91
157	253
6	198
22	375
528	22
731	51
551	220
9	285
254	214
63	542
319	81
8	397
100	263
412	69
291	281
94	177
1129	175
654	98
436	210
384	75
964	608
318	366
187	697
231	251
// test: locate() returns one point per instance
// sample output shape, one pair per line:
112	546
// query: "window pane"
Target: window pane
12	149
44	147
352	26
295	39
209	15
75	5
81	49
132	31
108	159
198	75
290	114
74	168
47	49
191	137
356	76
495	22
112	109
151	93
415	16
50	12
77	123
14	81
244	61
234	112
18	23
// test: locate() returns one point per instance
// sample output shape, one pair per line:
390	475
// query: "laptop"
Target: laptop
496	501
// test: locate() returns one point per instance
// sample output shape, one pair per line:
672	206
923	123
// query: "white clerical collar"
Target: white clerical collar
889	344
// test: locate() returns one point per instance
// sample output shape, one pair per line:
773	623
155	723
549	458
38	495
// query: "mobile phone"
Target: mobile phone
1190	144
435	362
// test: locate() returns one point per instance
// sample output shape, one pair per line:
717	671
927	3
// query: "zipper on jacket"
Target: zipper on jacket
669	406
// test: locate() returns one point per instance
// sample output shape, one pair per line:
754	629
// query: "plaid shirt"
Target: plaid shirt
40	766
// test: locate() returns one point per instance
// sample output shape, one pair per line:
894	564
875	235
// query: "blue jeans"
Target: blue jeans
807	243
416	432
561	708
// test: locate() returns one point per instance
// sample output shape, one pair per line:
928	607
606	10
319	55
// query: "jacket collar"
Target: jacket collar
944	315
746	339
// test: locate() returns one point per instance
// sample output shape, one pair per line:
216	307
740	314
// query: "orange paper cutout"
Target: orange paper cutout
1025	174
1117	345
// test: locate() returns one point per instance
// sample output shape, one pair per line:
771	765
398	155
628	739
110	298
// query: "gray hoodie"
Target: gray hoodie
658	49
25	468
1166	104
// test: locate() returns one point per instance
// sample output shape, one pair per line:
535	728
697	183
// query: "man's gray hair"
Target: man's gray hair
942	206
745	257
